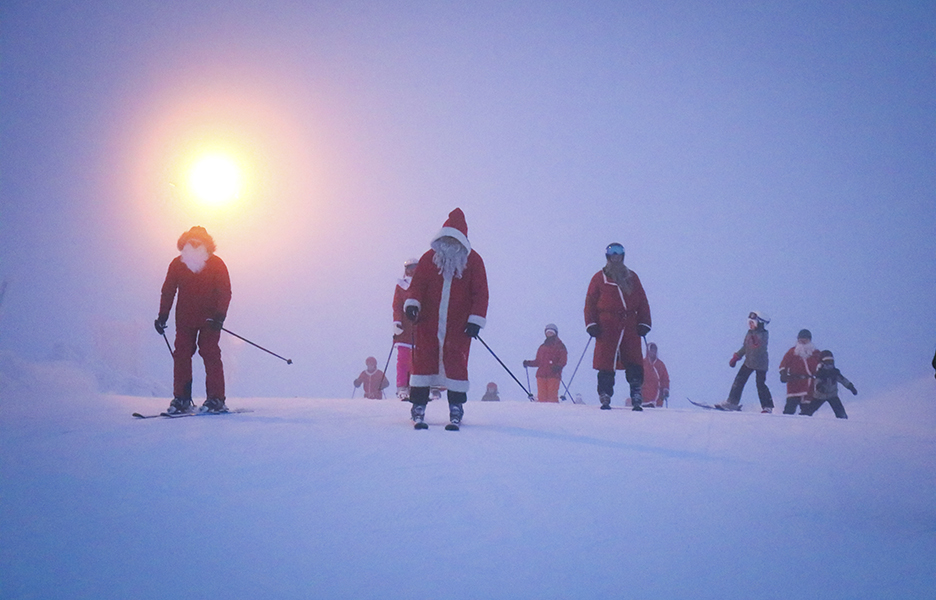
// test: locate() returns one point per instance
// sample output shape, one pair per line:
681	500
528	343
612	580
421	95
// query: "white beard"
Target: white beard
804	350
194	258
450	257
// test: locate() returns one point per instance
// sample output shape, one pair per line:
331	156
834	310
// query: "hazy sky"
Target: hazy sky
774	155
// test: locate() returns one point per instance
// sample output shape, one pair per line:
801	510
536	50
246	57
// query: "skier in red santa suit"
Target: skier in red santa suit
617	315
448	300
404	330
204	288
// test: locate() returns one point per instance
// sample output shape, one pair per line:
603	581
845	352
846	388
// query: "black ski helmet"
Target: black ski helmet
614	248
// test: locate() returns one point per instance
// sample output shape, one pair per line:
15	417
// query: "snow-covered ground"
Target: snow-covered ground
337	498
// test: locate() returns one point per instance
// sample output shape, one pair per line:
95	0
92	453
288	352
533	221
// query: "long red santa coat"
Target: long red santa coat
405	338
617	314
800	372
440	357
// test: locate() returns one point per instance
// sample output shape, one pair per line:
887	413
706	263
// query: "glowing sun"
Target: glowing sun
215	179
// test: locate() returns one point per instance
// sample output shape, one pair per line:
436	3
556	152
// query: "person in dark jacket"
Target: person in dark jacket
827	380
551	357
754	352
204	294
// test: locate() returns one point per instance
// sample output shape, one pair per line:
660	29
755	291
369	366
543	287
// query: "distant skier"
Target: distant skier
797	371
204	288
490	393
754	352
617	315
656	385
551	357
404	333
373	380
448	300
827	380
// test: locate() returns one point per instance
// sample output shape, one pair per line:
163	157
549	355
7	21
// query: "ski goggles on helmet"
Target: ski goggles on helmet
614	250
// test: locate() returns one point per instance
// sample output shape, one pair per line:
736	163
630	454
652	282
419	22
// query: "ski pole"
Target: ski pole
387	365
288	360
168	345
579	361
527	369
568	393
529	395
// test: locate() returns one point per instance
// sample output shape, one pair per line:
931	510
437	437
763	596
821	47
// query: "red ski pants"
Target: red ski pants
206	340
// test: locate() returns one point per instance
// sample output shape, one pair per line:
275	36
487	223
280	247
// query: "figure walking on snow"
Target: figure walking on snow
797	371
617	315
448	301
754	352
827	380
373	380
656	383
551	357
404	334
204	289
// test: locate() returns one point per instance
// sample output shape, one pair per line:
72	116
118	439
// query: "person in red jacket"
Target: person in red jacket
373	380
204	289
404	332
617	315
448	301
656	382
550	359
798	372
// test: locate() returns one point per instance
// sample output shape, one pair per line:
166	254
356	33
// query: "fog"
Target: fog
777	156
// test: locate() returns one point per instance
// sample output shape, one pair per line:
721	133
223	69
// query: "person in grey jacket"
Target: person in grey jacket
827	380
754	352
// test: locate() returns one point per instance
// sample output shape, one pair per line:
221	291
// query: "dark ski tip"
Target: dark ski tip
421	425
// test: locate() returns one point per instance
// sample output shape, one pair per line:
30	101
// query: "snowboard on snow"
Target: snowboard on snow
166	415
710	406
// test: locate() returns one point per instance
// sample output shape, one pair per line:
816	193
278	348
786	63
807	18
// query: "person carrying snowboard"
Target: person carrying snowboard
204	294
617	315
373	380
754	352
448	301
797	371
404	334
551	357
827	379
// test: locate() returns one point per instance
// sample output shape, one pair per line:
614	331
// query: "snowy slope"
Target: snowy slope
337	498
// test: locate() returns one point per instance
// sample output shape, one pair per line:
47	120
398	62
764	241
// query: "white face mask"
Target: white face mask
195	257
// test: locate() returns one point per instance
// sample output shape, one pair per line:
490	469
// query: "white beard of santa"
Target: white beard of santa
804	350
195	257
450	256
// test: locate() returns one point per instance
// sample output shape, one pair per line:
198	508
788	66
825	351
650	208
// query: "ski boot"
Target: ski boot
213	405
418	414
728	405
179	406
456	412
605	400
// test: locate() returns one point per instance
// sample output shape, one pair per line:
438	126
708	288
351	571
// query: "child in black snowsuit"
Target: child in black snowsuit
754	352
827	380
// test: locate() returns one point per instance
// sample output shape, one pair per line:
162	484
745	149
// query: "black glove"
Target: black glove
593	330
853	391
217	323
160	326
527	363
784	375
472	329
412	311
643	329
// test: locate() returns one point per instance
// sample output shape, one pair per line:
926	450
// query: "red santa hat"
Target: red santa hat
456	227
